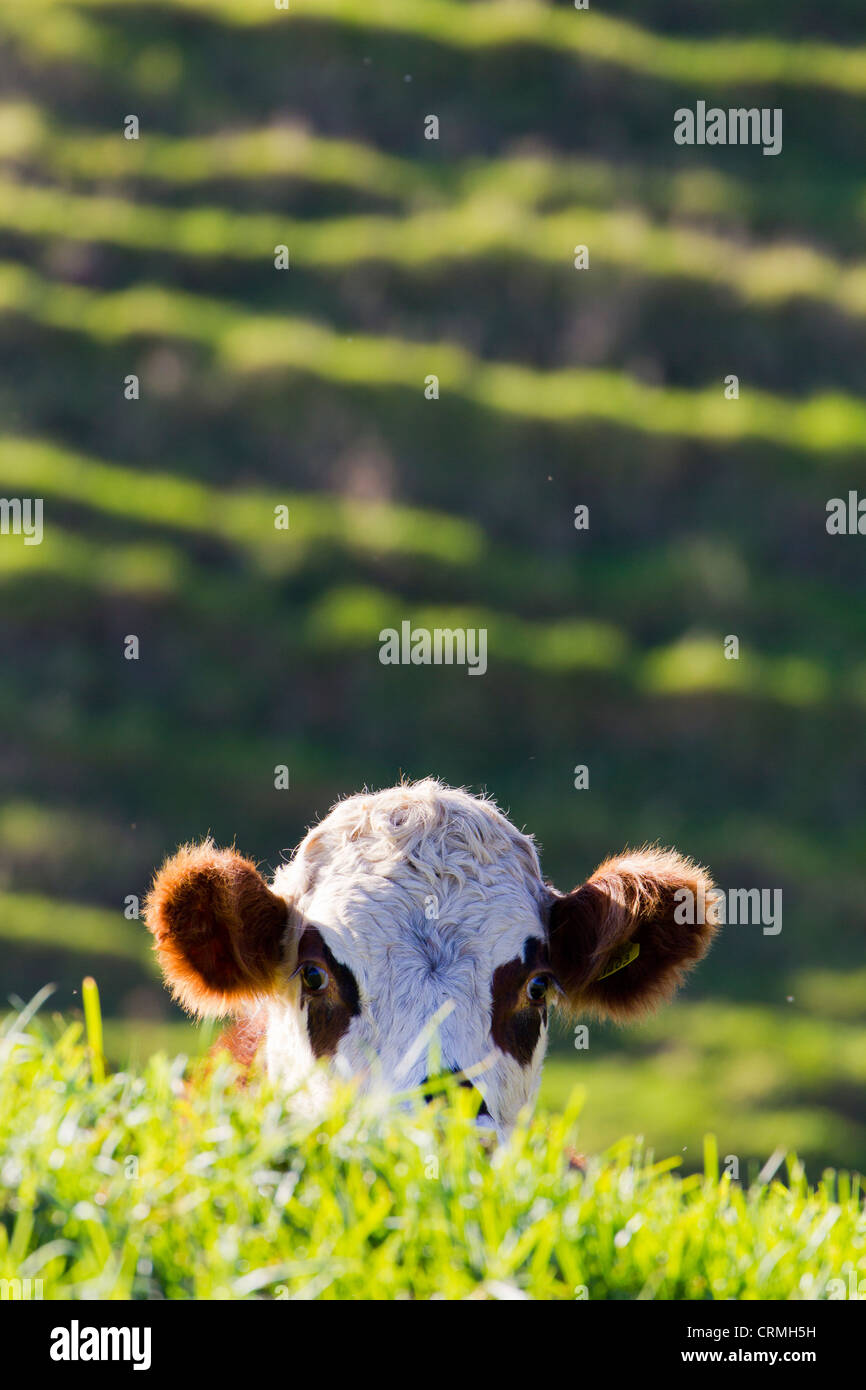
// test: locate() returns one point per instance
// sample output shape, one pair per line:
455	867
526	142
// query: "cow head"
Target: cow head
413	911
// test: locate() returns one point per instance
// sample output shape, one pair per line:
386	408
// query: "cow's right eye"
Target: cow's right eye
314	978
537	989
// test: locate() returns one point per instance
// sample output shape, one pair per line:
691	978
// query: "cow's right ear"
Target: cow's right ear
218	929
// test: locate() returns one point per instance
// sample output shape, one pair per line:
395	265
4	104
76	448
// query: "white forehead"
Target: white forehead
420	870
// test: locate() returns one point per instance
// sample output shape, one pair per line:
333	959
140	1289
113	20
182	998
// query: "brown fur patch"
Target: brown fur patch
217	928
629	898
516	1023
328	1015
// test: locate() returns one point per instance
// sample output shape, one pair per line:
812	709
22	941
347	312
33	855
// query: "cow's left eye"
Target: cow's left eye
537	989
314	978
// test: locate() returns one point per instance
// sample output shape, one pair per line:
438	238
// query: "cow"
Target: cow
417	910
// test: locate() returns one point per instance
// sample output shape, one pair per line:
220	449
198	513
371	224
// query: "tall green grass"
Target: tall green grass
149	1185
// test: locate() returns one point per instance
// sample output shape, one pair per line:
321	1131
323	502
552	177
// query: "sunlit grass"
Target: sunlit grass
490	225
478	27
131	1042
330	534
762	1076
29	136
242	518
28	919
145	1186
349	617
832	993
698	663
71	36
259	343
146	569
245	155
352	617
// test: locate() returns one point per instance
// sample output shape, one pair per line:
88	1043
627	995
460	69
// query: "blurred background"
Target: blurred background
558	387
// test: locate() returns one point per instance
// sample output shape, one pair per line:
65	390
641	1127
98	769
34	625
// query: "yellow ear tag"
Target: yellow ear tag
620	959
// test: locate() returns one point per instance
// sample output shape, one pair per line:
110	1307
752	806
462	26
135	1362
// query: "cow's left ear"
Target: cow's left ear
218	929
622	943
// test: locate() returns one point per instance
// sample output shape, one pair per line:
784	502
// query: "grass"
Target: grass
500	23
35	921
240	517
268	152
144	1185
824	423
351	617
491	225
33	141
762	1077
324	543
